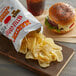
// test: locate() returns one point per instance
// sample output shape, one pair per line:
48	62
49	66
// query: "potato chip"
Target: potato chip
41	48
52	44
44	65
31	43
59	55
29	55
36	51
23	48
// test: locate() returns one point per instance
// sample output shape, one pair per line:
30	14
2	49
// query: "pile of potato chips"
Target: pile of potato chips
37	46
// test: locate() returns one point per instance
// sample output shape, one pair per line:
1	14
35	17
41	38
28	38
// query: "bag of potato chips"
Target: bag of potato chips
20	26
16	22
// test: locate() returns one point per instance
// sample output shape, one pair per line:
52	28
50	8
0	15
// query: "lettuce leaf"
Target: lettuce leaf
50	26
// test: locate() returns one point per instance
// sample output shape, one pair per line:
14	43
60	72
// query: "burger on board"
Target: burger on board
62	18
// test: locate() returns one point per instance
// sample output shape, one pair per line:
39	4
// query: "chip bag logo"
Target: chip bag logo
13	25
19	28
7	19
4	12
15	12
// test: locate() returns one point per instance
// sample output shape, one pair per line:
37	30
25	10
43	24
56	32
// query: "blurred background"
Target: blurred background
50	2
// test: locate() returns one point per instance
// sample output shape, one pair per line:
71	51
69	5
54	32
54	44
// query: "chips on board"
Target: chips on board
36	46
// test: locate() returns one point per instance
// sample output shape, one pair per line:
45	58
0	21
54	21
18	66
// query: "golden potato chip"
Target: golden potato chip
42	57
23	48
59	55
41	48
52	44
36	51
29	55
53	56
44	65
31	43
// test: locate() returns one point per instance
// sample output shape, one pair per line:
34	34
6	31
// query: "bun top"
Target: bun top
62	13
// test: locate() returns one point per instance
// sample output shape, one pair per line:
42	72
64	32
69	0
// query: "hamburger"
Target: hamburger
62	18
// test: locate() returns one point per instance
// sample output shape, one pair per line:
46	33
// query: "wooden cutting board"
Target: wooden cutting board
7	49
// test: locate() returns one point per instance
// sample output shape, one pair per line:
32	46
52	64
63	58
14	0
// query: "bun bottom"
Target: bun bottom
62	32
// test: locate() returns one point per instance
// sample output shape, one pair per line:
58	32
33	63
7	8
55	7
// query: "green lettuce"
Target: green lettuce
50	26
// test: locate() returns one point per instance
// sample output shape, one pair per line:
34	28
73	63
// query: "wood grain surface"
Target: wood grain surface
7	49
